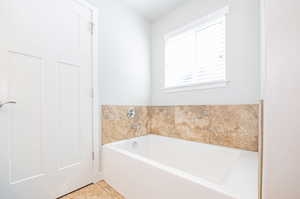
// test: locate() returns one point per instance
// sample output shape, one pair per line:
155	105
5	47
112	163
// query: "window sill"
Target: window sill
199	86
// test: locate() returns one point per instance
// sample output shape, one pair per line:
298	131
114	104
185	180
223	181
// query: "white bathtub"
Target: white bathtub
156	167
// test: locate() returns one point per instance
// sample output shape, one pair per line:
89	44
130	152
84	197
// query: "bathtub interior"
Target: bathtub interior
232	170
200	160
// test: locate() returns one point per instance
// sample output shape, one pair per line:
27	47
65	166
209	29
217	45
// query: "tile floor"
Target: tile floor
100	190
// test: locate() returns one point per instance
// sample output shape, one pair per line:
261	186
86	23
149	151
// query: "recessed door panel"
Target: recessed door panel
26	128
69	108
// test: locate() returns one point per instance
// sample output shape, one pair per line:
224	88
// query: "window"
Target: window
195	55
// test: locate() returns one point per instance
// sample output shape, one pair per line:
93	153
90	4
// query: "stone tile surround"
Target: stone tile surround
116	126
234	126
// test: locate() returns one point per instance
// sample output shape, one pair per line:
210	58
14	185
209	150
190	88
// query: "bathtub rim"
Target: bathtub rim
181	140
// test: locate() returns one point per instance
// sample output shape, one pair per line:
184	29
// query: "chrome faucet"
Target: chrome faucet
131	113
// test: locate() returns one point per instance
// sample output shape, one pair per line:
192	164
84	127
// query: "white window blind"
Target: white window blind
196	55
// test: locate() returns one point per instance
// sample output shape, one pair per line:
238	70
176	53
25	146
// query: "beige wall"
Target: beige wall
233	126
116	126
228	125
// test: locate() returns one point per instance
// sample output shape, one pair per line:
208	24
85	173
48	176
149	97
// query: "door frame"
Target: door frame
96	142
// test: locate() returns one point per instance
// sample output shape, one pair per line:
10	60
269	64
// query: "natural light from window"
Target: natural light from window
196	55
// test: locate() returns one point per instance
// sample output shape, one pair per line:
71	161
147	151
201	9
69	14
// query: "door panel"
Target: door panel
45	65
69	103
26	86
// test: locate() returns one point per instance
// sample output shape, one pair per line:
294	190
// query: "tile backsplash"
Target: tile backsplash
116	126
234	126
229	125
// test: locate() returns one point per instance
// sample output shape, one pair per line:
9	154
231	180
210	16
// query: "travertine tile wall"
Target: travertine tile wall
116	126
234	126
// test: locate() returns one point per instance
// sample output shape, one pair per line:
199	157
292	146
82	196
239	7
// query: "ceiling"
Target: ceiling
153	9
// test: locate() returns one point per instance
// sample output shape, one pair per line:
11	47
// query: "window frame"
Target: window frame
197	24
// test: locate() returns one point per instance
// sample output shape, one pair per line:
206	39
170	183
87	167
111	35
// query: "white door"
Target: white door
46	68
